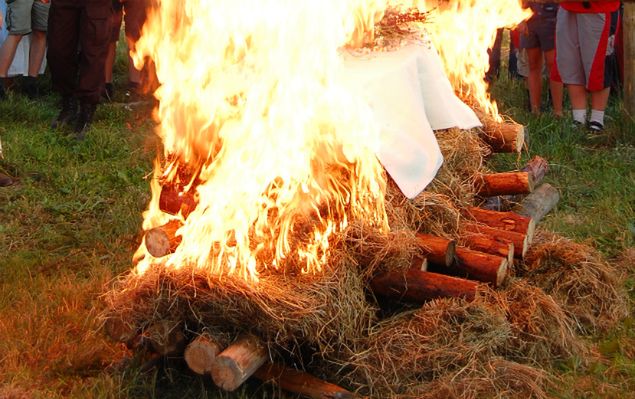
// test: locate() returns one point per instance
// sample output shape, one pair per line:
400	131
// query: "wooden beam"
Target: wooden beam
489	185
417	286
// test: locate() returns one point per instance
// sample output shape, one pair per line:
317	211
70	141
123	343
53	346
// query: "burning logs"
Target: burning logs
507	183
417	286
509	221
520	241
482	266
437	250
503	137
201	354
173	201
539	203
238	362
162	240
301	383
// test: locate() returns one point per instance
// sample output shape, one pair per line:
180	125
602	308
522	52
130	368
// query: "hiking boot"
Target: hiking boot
30	87
84	120
5	180
67	113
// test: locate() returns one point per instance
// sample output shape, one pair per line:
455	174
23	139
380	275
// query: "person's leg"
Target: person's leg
534	80
18	24
556	88
577	96
7	53
568	66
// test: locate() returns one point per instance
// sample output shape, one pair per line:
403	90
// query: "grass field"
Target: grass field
72	221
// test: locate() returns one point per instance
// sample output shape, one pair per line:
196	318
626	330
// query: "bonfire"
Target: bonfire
283	241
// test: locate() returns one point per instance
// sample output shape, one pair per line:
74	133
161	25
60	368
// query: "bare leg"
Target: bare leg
577	94
556	88
599	99
534	80
7	53
36	52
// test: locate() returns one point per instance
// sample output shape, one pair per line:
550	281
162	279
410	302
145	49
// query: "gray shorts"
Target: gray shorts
24	16
583	42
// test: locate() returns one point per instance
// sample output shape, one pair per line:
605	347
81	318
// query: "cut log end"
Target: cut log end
161	241
201	354
238	362
438	250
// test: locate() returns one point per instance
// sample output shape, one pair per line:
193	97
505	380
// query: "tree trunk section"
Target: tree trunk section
503	137
201	353
238	362
539	203
537	167
482	266
509	221
519	240
437	250
507	183
417	286
161	241
301	383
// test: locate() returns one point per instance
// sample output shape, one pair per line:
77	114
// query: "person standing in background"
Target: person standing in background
537	36
585	34
83	24
25	17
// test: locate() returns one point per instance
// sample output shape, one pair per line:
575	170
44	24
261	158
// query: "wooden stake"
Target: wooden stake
482	266
437	250
485	243
162	240
417	286
520	241
537	204
509	221
301	383
238	362
489	185
201	354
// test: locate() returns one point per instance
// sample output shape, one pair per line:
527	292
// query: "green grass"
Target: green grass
72	221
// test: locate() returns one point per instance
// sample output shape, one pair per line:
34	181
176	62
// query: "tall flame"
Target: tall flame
462	30
252	119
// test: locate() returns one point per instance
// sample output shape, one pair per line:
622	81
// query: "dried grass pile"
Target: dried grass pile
588	288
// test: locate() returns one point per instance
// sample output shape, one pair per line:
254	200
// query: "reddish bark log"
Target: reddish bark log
508	183
417	286
482	266
509	221
162	240
437	250
537	168
173	201
484	243
301	383
519	240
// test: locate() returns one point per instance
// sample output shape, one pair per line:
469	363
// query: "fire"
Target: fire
280	156
462	30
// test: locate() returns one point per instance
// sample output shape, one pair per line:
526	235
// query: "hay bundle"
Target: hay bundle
287	312
493	378
541	330
424	344
587	287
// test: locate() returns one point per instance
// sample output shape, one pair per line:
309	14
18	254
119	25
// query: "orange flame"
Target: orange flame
462	31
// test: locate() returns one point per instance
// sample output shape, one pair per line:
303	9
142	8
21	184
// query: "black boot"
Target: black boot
67	113
3	95
84	119
30	87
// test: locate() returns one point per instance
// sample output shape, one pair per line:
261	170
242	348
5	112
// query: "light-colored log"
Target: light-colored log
537	204
301	383
417	286
201	353
482	266
437	250
161	241
507	183
238	362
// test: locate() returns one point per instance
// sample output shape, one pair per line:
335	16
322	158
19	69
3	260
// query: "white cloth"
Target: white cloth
407	90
